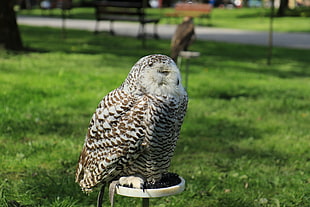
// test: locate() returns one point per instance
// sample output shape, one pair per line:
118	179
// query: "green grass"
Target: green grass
244	142
245	18
258	19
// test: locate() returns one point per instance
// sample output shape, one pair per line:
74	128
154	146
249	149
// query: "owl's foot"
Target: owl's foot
132	182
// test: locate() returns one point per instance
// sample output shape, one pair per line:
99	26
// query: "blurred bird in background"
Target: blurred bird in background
183	37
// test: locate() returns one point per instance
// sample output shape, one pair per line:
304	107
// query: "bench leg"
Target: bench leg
63	16
112	28
141	31
209	20
155	33
96	27
142	34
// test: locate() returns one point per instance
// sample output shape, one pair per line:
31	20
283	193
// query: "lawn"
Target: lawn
244	141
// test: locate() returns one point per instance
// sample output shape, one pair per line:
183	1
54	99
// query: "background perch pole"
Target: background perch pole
145	202
270	42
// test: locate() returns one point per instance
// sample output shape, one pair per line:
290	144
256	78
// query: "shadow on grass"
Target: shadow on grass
51	187
30	114
85	42
44	124
219	135
216	54
220	129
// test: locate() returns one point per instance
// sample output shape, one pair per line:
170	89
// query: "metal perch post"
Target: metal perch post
187	55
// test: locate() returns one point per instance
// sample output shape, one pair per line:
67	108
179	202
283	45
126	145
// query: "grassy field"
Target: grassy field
245	18
244	142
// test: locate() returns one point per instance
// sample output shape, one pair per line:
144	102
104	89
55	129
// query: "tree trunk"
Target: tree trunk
10	36
282	8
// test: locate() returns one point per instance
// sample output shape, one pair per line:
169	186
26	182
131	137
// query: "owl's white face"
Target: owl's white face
162	78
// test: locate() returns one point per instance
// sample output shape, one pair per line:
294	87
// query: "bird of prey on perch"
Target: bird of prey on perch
183	37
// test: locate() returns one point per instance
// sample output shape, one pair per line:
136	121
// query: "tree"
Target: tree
282	8
10	36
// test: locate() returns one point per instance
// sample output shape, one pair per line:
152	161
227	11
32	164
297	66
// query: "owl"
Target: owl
133	133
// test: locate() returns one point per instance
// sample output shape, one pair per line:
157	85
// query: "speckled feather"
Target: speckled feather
135	127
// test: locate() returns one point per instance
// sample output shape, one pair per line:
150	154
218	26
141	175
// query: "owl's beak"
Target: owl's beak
164	72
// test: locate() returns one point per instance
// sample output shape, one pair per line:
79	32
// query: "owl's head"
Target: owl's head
156	75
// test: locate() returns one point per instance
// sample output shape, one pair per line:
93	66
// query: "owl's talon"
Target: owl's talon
132	182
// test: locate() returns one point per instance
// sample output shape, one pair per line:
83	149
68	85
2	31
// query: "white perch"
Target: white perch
151	193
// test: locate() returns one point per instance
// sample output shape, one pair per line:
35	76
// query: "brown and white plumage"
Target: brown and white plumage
183	37
135	127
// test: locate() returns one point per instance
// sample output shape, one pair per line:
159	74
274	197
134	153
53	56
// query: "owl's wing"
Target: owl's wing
115	136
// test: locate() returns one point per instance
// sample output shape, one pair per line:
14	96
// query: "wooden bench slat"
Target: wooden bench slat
120	4
193	6
191	9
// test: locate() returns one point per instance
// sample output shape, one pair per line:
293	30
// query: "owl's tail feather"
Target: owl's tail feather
100	196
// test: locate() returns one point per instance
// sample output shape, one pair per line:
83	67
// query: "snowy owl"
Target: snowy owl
133	133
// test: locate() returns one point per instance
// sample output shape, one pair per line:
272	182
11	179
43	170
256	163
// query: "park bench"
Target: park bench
133	11
198	10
